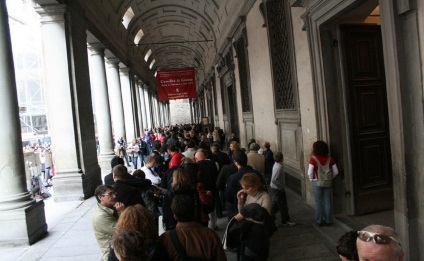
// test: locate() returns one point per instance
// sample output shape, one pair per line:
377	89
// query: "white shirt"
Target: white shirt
154	178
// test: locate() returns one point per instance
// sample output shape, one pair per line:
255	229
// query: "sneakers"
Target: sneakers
288	224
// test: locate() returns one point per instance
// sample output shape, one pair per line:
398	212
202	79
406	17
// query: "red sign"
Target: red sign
176	84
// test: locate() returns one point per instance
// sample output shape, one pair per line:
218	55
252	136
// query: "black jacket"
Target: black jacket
127	194
233	183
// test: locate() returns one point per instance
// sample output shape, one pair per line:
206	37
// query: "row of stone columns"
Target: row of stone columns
69	105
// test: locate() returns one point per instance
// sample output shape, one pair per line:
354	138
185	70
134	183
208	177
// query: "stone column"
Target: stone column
115	97
168	113
139	110
143	105
134	104
158	111
69	105
155	110
124	73
22	220
147	104
102	109
161	121
191	110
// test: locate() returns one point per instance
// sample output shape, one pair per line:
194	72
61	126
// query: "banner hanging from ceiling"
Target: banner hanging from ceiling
176	84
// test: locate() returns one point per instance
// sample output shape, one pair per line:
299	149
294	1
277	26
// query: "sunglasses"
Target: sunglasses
378	238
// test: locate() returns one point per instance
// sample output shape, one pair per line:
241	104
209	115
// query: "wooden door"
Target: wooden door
368	118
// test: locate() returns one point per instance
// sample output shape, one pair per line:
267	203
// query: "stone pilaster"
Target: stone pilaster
22	220
69	106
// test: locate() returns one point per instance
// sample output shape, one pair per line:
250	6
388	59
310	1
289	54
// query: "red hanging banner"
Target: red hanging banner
176	84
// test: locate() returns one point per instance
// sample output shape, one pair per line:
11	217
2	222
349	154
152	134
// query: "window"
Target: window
146	57
152	63
244	74
281	54
128	16
138	36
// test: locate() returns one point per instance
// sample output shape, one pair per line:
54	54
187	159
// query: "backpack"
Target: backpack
325	176
207	203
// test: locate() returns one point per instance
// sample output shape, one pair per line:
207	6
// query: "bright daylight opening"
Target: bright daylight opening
146	57
152	63
129	14
138	36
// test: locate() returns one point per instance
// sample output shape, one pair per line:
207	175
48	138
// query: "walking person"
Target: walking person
122	148
142	150
322	169
133	151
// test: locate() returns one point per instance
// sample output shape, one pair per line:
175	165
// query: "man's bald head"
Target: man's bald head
200	155
371	251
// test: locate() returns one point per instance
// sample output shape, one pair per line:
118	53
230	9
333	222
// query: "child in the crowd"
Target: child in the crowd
279	198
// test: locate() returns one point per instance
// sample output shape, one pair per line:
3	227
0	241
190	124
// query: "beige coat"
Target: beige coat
256	161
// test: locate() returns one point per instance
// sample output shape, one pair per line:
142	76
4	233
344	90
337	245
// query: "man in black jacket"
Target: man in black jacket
208	176
125	193
233	182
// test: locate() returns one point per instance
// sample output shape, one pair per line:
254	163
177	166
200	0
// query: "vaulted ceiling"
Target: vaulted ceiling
179	33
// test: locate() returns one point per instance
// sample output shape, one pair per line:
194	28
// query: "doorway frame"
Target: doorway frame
318	15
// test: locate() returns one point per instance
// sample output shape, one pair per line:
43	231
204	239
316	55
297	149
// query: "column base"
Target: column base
104	162
67	186
23	226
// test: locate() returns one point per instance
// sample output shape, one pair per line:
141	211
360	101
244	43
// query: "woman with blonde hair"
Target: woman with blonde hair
253	192
181	183
254	218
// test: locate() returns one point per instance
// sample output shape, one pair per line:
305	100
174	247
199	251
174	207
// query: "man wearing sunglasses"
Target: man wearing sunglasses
376	242
105	217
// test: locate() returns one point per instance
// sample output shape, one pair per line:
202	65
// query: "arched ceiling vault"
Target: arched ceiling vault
179	33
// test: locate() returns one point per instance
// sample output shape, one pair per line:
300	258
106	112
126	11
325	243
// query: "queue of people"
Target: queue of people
186	182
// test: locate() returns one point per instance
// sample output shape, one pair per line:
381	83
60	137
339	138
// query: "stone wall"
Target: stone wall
179	111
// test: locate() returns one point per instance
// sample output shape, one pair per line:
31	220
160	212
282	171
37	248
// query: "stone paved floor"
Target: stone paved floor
71	236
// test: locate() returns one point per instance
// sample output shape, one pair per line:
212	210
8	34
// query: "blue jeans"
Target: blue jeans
142	157
134	161
322	198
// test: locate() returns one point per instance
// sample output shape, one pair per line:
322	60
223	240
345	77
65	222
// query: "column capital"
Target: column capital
124	70
97	48
51	13
113	62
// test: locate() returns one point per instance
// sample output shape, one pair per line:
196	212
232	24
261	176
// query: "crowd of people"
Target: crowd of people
182	181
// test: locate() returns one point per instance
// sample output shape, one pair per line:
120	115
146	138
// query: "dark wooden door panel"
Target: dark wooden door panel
368	117
369	102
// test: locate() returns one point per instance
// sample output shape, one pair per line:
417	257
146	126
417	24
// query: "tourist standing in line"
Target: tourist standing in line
278	192
322	187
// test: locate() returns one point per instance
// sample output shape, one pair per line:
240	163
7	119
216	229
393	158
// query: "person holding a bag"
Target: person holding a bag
322	169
